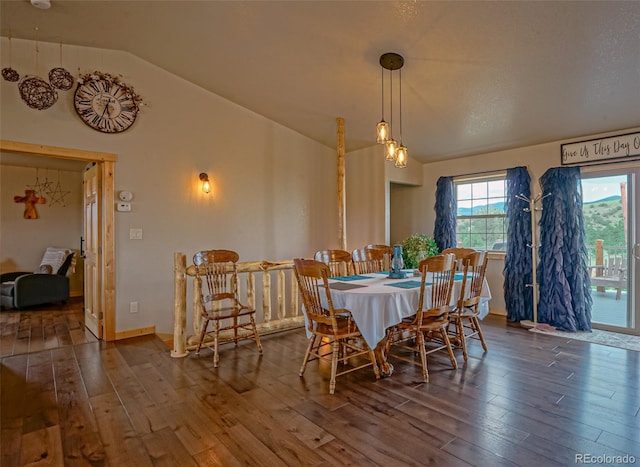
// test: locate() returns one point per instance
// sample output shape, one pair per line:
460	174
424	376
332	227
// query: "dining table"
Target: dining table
377	302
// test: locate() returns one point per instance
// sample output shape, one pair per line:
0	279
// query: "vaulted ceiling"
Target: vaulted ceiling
478	76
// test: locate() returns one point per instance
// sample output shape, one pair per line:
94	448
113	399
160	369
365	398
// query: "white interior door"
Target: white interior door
92	280
611	202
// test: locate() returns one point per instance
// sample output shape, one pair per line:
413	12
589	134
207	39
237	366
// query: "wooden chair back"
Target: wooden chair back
475	267
312	277
460	254
367	260
386	249
217	271
339	262
440	271
387	252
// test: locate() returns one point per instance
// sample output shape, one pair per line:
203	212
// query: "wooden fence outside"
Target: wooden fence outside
287	313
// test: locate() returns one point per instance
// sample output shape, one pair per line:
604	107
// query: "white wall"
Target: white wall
59	222
370	180
273	189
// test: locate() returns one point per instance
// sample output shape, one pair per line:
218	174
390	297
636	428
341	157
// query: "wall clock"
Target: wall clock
105	104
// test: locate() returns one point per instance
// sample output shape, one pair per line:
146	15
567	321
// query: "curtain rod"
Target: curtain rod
496	171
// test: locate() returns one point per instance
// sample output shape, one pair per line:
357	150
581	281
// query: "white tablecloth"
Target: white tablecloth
380	305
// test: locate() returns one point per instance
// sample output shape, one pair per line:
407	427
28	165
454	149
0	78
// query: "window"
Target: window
481	220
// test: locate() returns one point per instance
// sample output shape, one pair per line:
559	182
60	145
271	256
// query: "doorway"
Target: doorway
106	264
610	204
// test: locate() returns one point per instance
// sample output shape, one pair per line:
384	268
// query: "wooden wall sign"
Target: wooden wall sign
612	147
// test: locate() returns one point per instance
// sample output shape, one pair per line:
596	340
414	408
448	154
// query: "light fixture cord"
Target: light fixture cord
400	106
391	104
382	93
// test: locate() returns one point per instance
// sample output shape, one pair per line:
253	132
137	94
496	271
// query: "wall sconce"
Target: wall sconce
206	185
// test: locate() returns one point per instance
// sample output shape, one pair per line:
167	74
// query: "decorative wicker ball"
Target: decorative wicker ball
37	93
61	79
10	74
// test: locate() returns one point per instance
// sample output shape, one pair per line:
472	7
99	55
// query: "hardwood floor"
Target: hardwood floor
531	400
43	327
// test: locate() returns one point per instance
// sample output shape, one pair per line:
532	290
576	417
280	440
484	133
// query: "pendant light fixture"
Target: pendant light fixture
394	151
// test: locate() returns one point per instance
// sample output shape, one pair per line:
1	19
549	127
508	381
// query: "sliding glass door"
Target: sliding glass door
612	224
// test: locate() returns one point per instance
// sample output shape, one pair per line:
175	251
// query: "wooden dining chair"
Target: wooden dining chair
460	253
339	262
463	321
334	334
217	279
426	331
366	261
387	252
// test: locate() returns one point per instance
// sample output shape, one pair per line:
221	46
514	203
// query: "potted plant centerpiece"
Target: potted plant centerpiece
416	248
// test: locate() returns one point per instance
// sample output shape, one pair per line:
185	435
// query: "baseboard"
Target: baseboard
135	332
497	311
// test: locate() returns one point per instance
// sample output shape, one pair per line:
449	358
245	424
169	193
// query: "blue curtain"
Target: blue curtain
444	231
563	274
518	267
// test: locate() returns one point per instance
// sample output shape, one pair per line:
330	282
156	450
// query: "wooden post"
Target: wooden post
342	205
179	305
599	261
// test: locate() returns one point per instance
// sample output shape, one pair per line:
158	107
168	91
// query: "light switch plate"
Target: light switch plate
135	234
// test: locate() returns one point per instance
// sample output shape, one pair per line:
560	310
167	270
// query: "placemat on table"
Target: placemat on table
344	285
407	284
355	277
460	275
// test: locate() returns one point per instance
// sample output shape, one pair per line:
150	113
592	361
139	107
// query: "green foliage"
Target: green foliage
417	247
604	221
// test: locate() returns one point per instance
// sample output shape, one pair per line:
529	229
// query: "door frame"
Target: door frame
106	161
604	170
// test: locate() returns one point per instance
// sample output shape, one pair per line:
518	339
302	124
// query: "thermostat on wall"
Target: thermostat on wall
125	196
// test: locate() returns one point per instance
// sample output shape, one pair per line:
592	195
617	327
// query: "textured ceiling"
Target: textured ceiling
478	76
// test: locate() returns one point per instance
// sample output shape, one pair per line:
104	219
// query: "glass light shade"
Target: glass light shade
206	186
401	156
391	147
382	129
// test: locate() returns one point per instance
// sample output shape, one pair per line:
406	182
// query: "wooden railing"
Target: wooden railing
285	315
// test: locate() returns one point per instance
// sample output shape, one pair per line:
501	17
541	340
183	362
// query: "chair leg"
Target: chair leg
423	356
452	357
256	336
461	338
202	334
335	349
216	344
374	362
312	341
235	331
476	323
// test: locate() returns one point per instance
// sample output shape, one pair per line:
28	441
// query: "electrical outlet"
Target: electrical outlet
133	307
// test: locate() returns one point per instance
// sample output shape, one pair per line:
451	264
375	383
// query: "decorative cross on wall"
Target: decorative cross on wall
30	200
